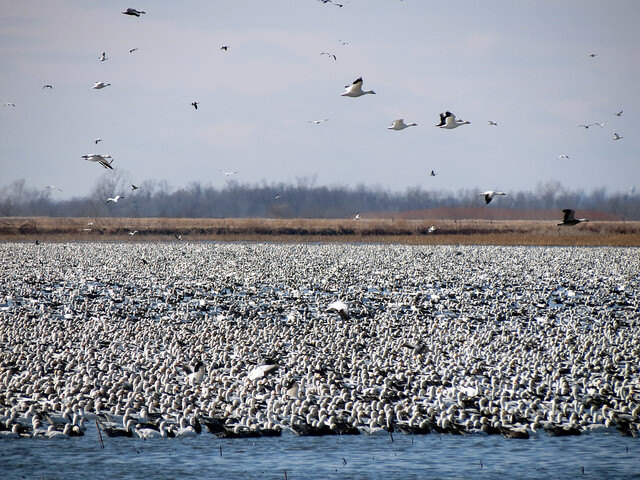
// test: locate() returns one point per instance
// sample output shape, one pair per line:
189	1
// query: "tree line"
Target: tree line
302	199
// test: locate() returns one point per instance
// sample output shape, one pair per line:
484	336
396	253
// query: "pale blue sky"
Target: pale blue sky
523	64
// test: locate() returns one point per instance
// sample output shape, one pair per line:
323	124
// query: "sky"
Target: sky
526	65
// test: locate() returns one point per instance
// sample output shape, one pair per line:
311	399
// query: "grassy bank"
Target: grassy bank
480	232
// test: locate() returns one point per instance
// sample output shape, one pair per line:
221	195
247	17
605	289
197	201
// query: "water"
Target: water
604	454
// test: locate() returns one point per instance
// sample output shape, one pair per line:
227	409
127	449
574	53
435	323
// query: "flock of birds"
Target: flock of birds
250	340
448	120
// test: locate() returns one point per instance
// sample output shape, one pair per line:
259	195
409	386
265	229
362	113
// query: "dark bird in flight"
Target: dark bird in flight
569	218
133	12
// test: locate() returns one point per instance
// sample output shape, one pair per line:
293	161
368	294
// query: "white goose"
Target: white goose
101	159
99	85
400	125
448	121
489	194
114	199
340	308
617	137
355	89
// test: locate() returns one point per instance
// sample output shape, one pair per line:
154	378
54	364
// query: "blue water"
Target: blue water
598	455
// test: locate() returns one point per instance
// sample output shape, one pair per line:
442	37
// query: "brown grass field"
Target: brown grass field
403	231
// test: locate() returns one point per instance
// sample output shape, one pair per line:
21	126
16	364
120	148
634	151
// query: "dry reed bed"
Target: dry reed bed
447	232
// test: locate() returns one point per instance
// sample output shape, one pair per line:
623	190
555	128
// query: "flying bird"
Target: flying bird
133	50
114	199
134	187
593	55
101	159
96	140
563	156
489	194
433	174
340	308
357	217
195	104
569	218
355	89
133	233
9	105
617	137
262	370
318	122
586	126
330	54
492	123
224	47
196	375
103	57
226	174
400	125
599	124
178	237
448	121
48	86
99	85
619	114
53	187
133	12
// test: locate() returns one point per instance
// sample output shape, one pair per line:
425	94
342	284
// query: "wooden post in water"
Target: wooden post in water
99	434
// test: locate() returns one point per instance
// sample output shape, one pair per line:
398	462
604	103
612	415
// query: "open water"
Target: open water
605	454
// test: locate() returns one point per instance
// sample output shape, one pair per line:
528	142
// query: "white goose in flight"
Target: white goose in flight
101	159
114	199
617	137
400	125
99	85
448	121
489	194
355	89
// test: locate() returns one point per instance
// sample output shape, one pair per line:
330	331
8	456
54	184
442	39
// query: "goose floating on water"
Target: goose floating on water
448	121
400	125
355	89
489	194
569	218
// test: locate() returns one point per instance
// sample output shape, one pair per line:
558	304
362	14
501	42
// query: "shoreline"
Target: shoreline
409	232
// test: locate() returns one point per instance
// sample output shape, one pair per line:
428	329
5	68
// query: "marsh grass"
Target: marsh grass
447	232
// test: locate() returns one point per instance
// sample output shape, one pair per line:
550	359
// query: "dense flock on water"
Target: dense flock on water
450	339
